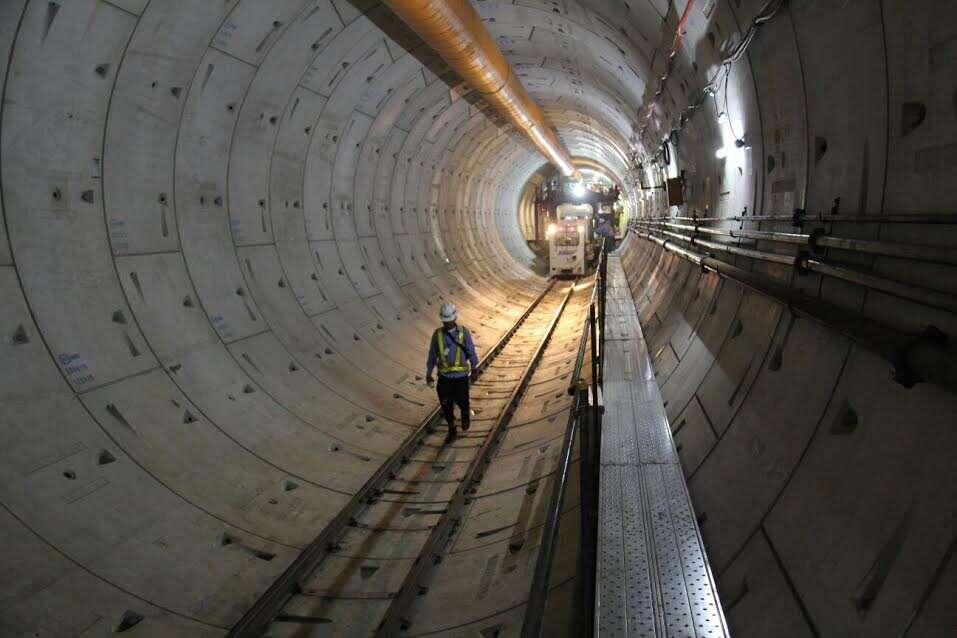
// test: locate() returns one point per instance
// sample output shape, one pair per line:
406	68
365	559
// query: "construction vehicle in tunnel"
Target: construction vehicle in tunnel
569	243
570	212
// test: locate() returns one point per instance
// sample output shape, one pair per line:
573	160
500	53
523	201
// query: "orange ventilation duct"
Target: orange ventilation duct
455	31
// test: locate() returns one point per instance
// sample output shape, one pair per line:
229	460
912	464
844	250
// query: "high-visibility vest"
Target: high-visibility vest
446	366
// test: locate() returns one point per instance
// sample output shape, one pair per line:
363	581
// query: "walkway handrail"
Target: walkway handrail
538	592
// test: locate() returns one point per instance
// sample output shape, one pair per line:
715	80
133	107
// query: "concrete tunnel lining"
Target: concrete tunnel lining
227	228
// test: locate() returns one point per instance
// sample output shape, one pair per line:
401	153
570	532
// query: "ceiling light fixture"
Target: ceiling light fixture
739	145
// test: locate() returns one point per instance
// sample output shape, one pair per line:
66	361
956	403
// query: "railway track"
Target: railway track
368	572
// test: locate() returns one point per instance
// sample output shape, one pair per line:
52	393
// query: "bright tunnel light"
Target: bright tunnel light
578	189
550	231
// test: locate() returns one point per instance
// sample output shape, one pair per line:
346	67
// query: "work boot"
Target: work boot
451	435
465	425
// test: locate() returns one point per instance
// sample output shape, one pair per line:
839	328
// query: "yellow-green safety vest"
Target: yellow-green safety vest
445	367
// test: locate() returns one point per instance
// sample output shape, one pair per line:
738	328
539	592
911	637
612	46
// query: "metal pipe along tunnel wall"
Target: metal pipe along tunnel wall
227	228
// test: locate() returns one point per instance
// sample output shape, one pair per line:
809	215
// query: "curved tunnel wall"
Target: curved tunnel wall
228	226
824	490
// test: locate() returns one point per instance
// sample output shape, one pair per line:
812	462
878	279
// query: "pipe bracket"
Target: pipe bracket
800	263
579	385
904	373
836	208
797	219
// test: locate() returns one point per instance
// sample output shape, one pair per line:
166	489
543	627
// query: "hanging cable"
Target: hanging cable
764	15
676	42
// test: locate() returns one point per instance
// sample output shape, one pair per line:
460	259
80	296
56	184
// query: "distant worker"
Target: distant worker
452	350
604	229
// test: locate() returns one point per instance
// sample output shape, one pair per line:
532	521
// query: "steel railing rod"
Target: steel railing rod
583	620
588	468
825	218
538	592
602	282
915	357
806	263
815	241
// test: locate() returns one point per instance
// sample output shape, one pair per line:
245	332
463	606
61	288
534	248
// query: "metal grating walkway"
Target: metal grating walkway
653	575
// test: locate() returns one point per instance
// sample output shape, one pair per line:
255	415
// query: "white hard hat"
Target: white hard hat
447	312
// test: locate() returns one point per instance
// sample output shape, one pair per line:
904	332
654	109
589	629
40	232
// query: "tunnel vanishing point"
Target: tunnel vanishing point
226	229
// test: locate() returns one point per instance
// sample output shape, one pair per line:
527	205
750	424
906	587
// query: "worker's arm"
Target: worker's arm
470	350
430	362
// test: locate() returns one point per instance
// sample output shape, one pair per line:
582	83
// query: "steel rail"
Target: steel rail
256	620
432	552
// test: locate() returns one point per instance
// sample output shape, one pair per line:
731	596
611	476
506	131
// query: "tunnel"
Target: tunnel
227	231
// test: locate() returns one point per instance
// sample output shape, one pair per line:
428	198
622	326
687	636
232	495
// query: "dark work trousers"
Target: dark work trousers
452	390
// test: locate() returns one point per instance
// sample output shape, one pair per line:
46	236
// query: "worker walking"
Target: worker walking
605	230
452	351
